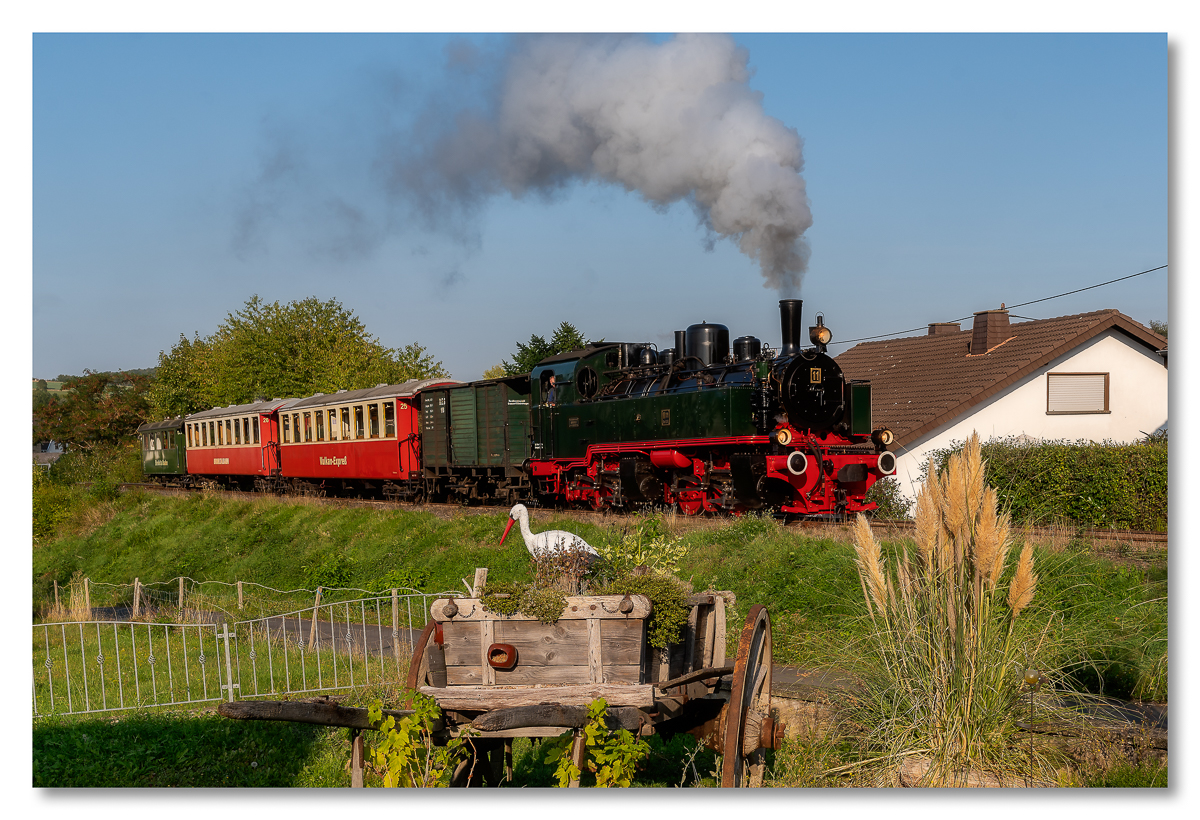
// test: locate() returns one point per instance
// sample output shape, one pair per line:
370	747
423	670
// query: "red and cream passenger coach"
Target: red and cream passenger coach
237	445
355	440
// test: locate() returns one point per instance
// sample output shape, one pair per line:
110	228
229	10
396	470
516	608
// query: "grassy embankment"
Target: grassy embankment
1110	619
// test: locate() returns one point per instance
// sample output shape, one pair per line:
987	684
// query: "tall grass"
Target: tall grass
943	659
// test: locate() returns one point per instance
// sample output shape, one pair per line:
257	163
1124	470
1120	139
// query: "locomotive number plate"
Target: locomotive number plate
666	418
814	375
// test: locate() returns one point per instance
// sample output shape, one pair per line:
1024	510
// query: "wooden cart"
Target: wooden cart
514	676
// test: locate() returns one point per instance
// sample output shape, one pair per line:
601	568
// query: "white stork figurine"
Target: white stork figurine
545	543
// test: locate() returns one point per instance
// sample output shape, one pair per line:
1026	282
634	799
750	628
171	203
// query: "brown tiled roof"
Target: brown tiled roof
920	383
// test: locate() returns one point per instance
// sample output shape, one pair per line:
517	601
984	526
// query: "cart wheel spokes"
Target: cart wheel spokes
749	707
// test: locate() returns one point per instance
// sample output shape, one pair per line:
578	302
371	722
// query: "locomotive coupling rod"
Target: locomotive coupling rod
699	674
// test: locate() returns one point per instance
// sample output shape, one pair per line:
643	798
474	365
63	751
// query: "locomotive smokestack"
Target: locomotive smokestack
680	343
789	323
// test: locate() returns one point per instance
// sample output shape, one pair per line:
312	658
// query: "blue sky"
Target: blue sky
945	174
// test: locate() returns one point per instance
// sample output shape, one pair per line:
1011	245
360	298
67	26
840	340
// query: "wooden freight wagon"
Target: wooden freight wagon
508	676
475	440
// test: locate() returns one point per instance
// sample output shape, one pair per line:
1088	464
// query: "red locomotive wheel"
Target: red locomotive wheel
749	707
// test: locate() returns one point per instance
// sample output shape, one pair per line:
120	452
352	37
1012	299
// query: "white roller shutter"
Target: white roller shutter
1077	393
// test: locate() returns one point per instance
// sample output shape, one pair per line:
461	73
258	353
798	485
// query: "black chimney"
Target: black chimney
680	344
789	322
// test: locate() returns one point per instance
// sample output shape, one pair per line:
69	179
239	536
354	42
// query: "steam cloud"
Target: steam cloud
673	121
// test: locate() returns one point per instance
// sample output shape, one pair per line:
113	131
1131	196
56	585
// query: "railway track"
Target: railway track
1139	541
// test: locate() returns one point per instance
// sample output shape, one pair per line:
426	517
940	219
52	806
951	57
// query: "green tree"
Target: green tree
41	395
1159	327
566	337
94	409
496	371
272	350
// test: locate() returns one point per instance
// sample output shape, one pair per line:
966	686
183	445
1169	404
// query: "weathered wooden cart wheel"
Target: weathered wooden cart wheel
748	715
418	668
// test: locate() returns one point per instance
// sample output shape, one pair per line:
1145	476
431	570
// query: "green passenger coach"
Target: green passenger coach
164	457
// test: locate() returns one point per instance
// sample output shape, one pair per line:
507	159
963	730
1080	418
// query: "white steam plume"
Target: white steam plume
672	121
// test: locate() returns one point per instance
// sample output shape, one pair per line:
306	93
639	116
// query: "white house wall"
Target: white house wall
1137	388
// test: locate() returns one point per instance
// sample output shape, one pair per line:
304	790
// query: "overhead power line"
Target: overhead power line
1009	307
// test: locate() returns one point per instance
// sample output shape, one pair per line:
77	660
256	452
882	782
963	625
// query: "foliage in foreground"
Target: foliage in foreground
610	757
403	751
943	660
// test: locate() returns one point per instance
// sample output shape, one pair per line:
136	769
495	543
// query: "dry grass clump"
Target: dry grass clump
943	663
72	605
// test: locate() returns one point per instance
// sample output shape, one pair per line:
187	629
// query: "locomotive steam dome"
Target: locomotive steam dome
708	342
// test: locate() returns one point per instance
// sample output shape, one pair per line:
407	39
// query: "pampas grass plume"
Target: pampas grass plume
1024	582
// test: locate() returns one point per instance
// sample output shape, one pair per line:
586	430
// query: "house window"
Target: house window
1073	393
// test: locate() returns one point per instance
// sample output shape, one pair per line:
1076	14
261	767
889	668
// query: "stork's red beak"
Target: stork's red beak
511	521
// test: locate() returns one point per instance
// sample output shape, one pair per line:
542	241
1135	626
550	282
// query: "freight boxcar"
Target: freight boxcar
476	440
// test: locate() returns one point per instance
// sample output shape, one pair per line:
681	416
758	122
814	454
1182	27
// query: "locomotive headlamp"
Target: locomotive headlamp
883	437
783	436
820	335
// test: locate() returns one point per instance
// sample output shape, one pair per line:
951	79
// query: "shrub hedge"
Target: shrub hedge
1122	486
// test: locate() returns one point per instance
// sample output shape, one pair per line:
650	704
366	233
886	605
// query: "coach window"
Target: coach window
333	424
220	433
237	431
308	426
359	432
246	430
296	427
287	430
389	418
320	422
170	439
255	425
373	418
346	424
228	431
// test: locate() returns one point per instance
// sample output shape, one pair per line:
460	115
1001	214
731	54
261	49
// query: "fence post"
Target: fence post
312	631
228	665
136	594
239	594
181	592
56	595
396	628
480	582
87	596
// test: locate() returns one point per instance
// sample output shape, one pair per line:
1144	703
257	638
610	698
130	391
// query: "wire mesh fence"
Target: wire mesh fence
176	656
183	599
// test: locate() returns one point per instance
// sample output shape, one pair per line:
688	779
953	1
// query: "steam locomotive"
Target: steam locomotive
698	427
